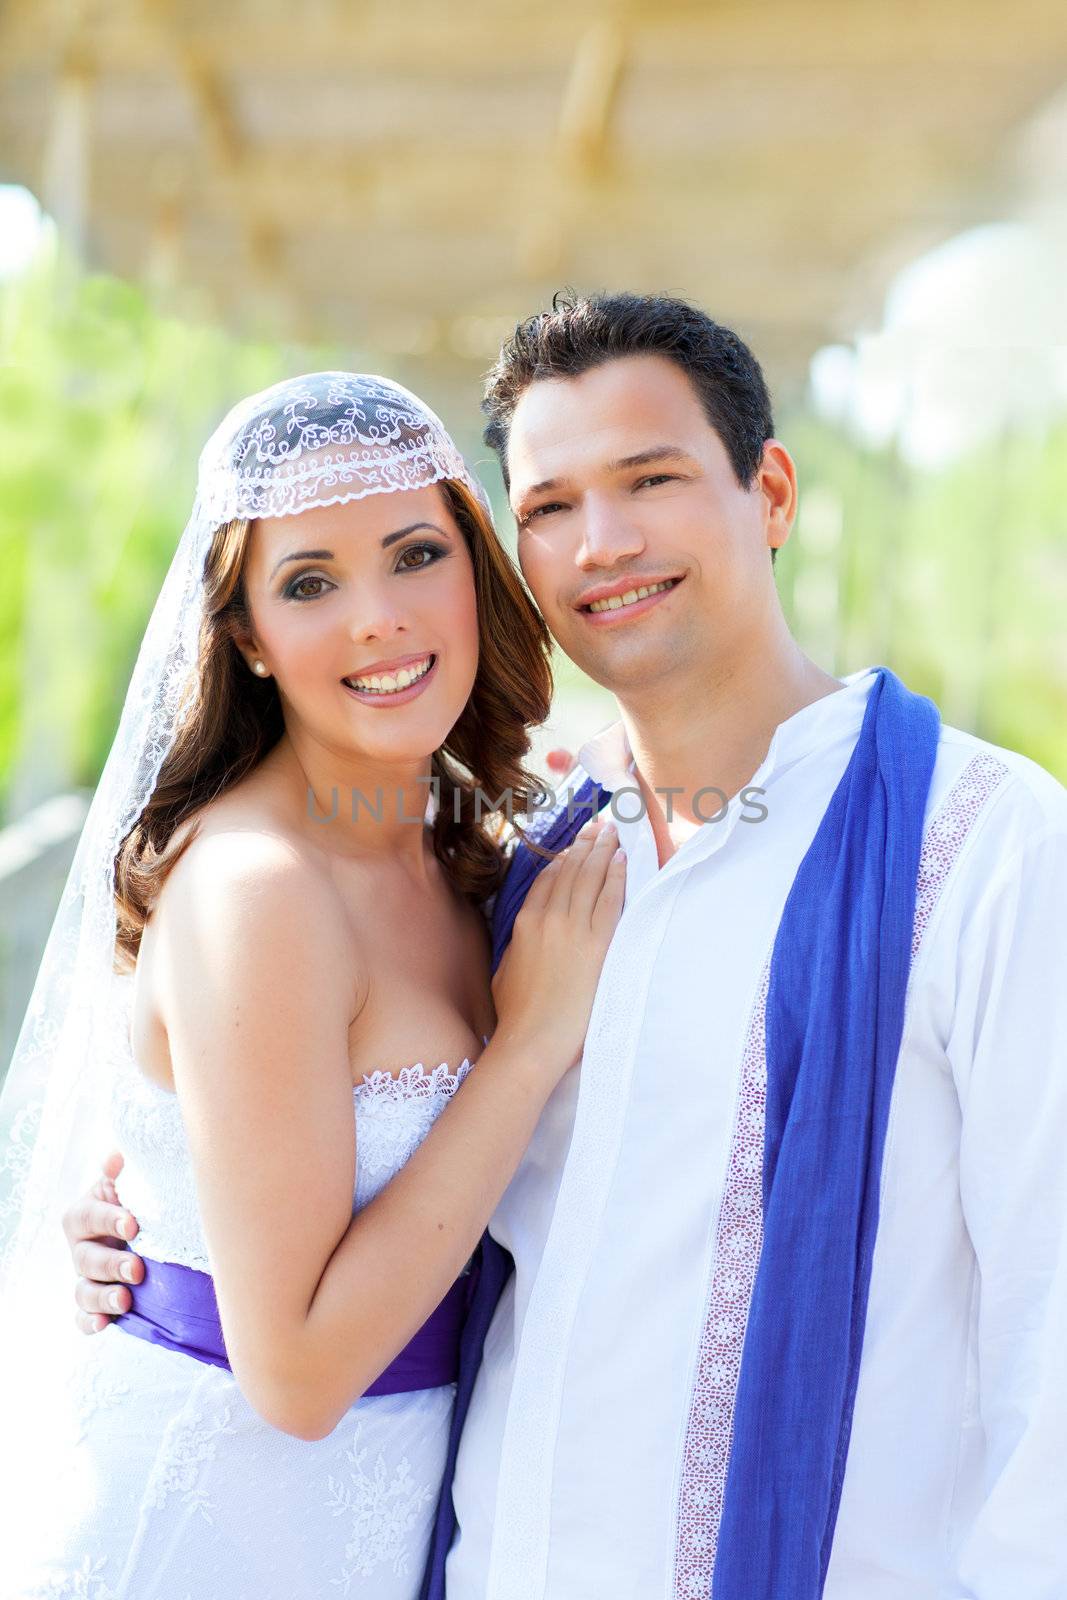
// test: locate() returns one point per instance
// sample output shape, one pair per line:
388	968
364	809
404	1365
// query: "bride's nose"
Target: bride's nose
376	614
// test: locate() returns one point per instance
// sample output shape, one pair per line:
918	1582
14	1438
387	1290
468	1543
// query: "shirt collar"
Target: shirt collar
608	759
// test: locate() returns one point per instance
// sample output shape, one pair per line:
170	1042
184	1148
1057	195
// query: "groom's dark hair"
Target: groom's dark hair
584	331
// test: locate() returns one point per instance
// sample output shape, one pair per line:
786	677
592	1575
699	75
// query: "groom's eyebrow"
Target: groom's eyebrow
644	458
390	538
658	452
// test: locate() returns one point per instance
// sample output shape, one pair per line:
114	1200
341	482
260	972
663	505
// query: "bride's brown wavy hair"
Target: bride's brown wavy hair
235	718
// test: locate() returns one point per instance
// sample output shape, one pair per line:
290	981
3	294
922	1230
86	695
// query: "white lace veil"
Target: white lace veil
317	440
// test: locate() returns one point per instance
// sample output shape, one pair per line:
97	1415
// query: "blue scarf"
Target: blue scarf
835	1018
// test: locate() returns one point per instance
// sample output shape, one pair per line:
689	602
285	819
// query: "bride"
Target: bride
271	973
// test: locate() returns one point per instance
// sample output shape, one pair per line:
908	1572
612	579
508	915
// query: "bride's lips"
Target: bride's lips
401	697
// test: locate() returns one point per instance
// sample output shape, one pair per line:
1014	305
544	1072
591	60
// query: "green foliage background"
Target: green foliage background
104	406
958	580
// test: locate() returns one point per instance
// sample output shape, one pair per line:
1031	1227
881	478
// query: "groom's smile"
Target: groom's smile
628	598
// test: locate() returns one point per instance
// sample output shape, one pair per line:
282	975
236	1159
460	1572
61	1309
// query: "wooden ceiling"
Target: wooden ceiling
409	177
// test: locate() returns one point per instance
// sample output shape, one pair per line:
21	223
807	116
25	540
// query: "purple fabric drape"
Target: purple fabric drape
175	1307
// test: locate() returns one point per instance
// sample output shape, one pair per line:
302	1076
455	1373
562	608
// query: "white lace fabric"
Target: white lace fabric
323	439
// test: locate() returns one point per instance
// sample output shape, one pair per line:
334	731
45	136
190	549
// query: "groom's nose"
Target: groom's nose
609	532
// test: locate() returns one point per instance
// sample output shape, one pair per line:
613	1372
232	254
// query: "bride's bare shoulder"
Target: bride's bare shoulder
240	851
247	908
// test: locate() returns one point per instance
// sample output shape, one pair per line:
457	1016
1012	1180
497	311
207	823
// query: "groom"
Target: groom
789	1299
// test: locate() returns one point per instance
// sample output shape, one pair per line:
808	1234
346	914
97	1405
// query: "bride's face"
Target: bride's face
337	593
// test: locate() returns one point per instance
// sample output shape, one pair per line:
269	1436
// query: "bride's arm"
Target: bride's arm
257	987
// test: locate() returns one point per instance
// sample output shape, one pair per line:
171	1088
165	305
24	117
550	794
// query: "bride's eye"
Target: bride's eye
293	592
432	550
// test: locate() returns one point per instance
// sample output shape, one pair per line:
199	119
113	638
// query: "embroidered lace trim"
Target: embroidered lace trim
739	1233
413	1083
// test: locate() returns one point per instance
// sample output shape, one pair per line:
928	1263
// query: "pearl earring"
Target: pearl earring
261	668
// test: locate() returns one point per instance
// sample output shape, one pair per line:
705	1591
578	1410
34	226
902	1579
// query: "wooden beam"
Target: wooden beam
589	101
63	185
223	140
562	186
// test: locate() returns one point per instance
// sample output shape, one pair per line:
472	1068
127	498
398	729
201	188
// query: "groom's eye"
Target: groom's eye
541	511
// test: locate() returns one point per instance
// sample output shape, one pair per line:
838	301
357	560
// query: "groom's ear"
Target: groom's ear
776	479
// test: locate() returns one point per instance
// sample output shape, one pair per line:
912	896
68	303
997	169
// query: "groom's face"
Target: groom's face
618	481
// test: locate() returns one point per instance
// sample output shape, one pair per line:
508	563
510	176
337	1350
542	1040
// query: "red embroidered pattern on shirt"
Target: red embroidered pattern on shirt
739	1234
737	1250
946	833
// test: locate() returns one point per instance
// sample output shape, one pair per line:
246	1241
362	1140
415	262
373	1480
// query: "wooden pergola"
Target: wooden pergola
409	177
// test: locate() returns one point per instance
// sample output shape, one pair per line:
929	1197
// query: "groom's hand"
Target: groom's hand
96	1226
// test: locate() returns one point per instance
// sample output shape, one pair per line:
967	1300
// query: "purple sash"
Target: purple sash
175	1307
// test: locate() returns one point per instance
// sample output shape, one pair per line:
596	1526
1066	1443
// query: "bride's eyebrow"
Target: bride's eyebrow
328	555
412	527
304	555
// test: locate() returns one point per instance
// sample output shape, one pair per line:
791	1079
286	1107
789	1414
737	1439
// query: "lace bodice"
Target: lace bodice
393	1115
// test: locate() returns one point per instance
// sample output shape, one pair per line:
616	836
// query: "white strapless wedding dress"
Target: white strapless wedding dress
151	1477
